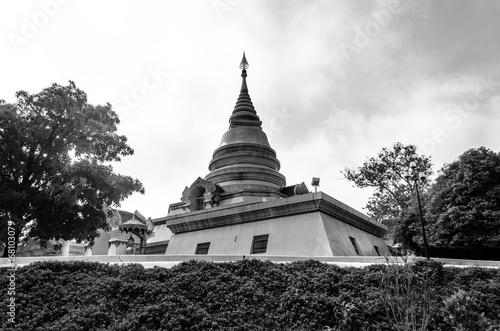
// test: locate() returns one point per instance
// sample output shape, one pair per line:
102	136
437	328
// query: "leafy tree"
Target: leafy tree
55	176
409	229
386	174
464	209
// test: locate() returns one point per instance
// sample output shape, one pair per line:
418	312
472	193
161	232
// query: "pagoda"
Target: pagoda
243	205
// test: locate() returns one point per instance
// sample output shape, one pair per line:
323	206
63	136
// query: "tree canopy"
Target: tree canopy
386	174
463	212
461	207
55	172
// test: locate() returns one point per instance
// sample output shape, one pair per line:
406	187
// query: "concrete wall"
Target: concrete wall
338	234
101	243
302	235
311	234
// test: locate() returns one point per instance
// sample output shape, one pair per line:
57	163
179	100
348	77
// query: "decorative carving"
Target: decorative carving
300	189
186	192
244	62
141	227
207	185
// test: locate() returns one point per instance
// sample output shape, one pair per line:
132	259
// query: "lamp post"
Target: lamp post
416	177
315	183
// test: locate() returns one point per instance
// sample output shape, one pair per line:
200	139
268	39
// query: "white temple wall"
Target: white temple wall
311	234
338	236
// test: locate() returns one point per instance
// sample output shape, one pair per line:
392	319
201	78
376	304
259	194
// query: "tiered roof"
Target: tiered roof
244	164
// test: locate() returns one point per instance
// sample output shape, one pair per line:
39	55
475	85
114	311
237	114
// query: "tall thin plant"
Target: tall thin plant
406	296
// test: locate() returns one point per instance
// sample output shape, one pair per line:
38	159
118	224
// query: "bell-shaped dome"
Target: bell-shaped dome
244	164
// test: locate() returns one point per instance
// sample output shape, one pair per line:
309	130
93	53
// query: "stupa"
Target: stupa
243	206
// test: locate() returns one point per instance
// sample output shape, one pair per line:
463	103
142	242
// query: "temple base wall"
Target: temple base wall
311	234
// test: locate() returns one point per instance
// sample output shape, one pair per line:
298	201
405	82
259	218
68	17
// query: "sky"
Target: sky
333	81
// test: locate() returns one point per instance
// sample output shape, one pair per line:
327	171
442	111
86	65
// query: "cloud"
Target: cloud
321	111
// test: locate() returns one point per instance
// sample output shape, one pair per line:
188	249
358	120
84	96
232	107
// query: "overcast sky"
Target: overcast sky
332	81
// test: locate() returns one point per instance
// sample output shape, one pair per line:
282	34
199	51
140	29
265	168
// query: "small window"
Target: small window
259	244
355	245
202	249
376	250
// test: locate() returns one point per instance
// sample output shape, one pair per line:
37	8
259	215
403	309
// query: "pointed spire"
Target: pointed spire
244	63
244	113
244	165
244	67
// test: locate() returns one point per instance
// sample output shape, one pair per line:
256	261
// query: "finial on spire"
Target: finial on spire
244	62
244	66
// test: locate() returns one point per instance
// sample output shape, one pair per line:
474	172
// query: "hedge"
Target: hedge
251	295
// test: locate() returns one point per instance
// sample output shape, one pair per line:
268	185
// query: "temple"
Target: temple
243	205
127	233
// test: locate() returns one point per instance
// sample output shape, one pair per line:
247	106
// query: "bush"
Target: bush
463	312
250	295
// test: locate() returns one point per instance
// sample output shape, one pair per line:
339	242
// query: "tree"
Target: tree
464	208
386	174
409	229
55	175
